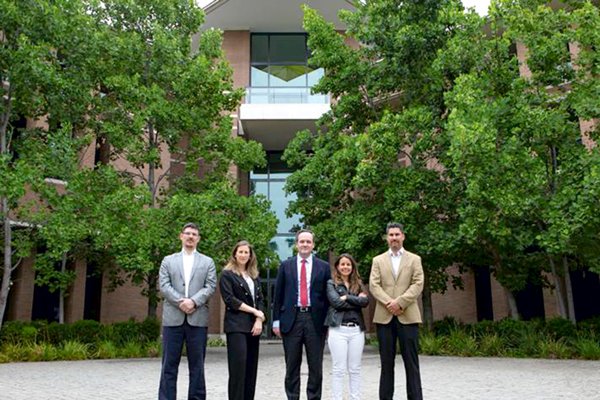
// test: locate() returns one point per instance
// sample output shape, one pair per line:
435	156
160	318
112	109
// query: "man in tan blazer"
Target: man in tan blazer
396	282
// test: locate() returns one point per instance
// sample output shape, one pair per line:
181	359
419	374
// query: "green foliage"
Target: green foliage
73	350
215	342
431	344
106	350
131	349
588	349
121	76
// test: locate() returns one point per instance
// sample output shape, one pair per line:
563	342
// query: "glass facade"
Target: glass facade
270	182
279	71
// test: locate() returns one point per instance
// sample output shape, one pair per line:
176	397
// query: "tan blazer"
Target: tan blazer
405	290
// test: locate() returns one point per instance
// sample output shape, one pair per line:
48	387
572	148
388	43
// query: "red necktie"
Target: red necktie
303	287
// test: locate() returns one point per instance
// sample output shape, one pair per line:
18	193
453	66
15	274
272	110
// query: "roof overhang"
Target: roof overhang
269	15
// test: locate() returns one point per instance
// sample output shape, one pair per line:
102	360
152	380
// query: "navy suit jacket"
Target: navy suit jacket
286	293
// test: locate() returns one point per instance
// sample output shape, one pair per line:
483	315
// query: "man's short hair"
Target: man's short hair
303	231
190	225
392	225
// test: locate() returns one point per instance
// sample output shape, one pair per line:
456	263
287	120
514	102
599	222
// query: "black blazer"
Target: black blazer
286	293
338	307
235	291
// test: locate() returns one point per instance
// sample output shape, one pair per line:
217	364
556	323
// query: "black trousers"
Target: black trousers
242	360
388	336
195	343
304	334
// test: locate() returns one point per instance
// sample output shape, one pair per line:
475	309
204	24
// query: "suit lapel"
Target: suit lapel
314	271
403	264
387	268
242	282
195	266
179	266
294	270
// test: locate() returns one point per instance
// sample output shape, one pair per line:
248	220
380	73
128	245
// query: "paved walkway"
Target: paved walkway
444	378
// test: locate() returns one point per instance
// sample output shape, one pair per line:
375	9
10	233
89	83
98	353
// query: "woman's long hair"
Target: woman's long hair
251	265
356	285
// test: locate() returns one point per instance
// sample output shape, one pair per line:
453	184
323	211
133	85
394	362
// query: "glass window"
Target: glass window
279	63
287	48
260	49
283	246
314	75
259	75
270	182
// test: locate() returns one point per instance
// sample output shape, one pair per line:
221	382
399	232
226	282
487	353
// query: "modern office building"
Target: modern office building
267	48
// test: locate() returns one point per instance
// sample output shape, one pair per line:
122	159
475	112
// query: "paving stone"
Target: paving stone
444	378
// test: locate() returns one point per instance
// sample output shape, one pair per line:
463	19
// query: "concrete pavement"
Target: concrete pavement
444	378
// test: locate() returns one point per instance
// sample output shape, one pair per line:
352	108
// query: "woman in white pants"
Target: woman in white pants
346	337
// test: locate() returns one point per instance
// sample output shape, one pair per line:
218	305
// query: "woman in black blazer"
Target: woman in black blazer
243	324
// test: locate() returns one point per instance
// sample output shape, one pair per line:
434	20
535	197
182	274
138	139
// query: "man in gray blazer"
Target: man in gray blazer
187	280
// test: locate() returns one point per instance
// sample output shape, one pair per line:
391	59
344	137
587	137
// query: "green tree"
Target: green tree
35	37
377	157
153	95
516	146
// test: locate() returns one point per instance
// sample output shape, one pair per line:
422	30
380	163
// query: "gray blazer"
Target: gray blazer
203	283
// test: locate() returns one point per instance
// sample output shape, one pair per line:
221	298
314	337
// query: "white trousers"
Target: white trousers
346	345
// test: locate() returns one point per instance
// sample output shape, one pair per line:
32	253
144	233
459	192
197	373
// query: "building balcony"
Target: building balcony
284	95
273	115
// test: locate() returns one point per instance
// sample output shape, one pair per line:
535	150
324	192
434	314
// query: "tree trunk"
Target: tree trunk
512	305
569	291
427	306
152	296
7	269
61	293
558	289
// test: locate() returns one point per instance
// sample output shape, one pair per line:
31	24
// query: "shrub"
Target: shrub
59	333
513	332
41	352
149	330
106	349
588	349
73	350
445	326
14	351
461	343
431	344
492	345
526	345
215	342
590	328
124	332
132	350
553	348
560	328
154	348
86	331
11	332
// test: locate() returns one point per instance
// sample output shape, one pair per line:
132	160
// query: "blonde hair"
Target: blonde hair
356	285
251	264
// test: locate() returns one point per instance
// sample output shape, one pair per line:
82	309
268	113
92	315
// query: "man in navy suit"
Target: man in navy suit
299	310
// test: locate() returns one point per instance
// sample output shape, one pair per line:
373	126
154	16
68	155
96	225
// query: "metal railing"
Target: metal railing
284	95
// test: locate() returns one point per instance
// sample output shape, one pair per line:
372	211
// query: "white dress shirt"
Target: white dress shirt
188	264
396	259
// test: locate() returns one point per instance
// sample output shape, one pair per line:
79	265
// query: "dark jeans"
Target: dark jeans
388	336
195	344
242	360
303	333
